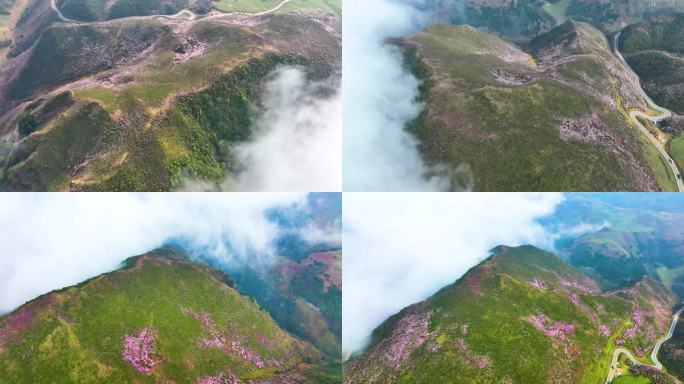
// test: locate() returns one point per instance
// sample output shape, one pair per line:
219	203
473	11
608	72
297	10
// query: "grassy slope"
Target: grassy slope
289	290
192	134
473	119
318	282
672	350
91	10
631	380
661	171
676	150
245	5
618	255
655	51
557	10
77	334
492	301
333	7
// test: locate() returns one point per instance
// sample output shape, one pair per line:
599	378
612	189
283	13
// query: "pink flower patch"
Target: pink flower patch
638	319
228	345
575	298
555	329
221	378
483	362
285	378
138	350
577	285
604	329
472	358
538	284
15	323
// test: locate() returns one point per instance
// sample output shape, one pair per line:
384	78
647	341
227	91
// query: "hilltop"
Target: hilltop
550	117
148	103
159	318
523	315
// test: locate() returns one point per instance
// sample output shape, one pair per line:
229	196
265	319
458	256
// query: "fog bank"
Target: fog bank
379	100
49	241
400	248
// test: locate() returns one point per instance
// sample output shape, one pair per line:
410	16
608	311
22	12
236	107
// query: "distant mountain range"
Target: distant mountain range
525	19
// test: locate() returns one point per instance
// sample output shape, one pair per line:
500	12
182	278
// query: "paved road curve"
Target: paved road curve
61	16
664	113
654	355
188	14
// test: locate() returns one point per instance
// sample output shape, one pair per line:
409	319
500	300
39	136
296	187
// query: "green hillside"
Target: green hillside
145	104
640	243
161	318
552	118
655	50
92	10
671	354
304	297
521	316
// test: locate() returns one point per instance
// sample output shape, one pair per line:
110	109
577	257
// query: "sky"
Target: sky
49	241
400	248
379	99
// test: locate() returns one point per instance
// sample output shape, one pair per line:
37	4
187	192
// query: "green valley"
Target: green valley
654	50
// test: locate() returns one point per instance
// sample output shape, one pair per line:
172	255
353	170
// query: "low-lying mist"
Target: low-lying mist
379	98
298	146
297	142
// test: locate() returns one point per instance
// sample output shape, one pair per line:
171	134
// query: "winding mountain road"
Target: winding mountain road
189	15
61	16
654	354
664	113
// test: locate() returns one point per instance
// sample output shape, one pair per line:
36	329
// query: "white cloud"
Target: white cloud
49	241
378	99
299	138
401	247
316	234
577	230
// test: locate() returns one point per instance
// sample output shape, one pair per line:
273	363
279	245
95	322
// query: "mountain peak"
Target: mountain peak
161	315
568	39
522	315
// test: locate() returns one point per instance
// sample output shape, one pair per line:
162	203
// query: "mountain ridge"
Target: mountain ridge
486	98
160	317
552	317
